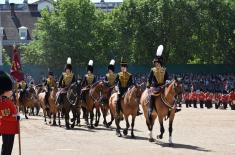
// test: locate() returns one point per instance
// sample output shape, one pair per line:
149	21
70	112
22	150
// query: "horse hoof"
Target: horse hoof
91	127
96	124
159	137
119	134
67	127
133	136
108	125
151	140
72	126
125	132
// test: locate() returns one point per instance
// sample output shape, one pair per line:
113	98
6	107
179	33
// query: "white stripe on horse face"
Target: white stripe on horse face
170	140
150	133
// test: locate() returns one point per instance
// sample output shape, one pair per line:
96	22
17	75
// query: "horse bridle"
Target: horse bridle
166	102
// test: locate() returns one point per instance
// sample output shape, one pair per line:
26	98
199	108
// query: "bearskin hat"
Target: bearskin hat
5	83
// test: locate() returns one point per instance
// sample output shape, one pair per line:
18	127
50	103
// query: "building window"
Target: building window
23	32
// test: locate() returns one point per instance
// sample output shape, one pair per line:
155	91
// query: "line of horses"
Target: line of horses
100	98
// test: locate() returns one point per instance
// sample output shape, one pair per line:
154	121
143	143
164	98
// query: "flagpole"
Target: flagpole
18	110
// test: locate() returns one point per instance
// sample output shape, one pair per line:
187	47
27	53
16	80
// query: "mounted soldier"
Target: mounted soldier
156	80
88	80
110	77
49	84
123	82
22	87
66	79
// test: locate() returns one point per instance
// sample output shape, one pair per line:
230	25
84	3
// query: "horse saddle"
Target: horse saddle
155	91
63	91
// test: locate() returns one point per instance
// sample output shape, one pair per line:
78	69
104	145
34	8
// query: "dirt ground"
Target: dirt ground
195	131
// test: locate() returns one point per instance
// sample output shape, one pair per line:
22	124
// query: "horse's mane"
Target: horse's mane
169	88
95	84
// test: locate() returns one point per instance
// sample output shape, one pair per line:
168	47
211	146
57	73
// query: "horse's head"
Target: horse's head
139	89
74	92
178	86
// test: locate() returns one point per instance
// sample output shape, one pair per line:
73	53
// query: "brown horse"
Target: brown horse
94	96
164	106
103	106
130	104
28	99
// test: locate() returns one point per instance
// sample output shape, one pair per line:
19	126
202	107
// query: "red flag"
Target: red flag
16	69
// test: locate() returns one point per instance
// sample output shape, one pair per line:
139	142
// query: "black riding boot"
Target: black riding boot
118	106
46	100
59	99
150	107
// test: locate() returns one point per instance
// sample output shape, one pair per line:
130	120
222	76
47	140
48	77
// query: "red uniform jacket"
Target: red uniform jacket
224	98
206	95
193	96
8	113
201	96
210	97
232	95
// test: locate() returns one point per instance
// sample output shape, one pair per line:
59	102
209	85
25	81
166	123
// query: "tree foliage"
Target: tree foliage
192	31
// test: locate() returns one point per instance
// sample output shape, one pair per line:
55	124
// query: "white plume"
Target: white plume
112	62
90	63
69	61
159	50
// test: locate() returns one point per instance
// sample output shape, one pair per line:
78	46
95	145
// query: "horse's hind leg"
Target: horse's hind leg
111	121
59	118
132	127
125	131
162	130
54	119
118	133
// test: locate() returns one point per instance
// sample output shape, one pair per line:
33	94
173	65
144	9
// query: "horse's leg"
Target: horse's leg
78	116
91	119
162	130
25	112
170	132
67	120
132	126
84	113
74	117
111	121
98	119
38	109
104	112
117	121
59	118
54	119
150	133
125	131
45	116
96	116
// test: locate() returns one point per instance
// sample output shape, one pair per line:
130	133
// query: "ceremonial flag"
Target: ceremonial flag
16	69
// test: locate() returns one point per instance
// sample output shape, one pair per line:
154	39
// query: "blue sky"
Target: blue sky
31	1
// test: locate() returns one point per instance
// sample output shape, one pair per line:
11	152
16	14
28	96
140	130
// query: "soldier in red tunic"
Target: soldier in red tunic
186	99
194	98
217	99
201	97
209	100
225	99
9	125
232	98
